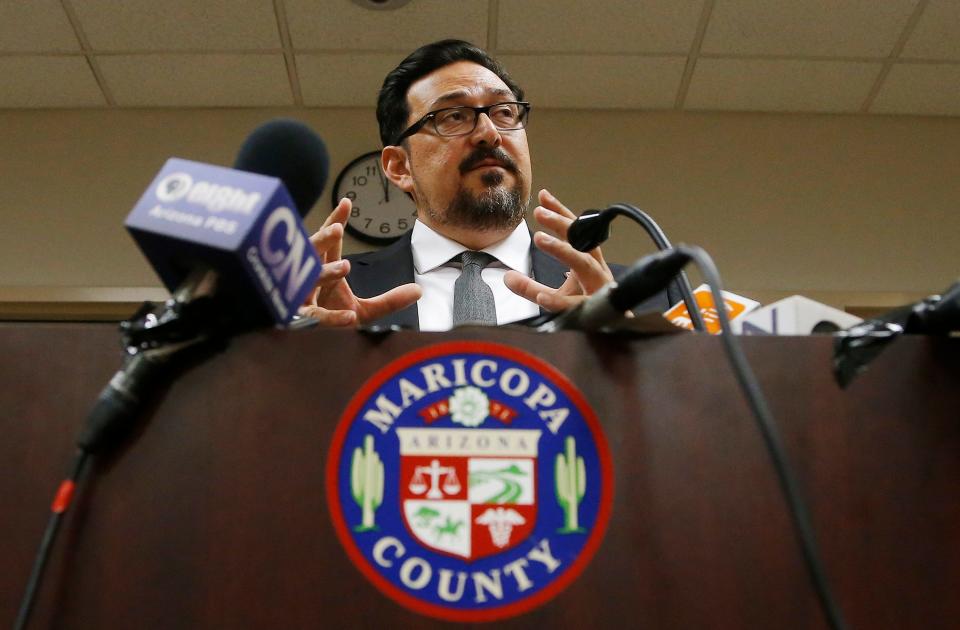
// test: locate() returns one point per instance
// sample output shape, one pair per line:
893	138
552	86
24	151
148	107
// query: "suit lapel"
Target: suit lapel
546	270
377	272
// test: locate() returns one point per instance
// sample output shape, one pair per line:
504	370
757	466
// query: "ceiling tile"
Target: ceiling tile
937	34
34	26
851	28
780	85
346	26
353	80
189	80
48	82
612	26
920	89
603	81
135	25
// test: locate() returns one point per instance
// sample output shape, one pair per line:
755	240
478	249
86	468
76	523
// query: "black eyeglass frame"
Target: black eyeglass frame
420	124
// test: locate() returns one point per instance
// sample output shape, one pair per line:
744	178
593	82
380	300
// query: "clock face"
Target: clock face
381	212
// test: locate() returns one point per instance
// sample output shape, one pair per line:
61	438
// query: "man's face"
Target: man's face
479	181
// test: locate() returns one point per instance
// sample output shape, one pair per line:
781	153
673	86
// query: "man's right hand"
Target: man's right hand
332	302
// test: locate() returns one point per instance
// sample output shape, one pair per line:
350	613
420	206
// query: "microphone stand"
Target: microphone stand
159	340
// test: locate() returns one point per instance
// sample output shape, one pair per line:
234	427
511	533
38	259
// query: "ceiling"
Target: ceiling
846	56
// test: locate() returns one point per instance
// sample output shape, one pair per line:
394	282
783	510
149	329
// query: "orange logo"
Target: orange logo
736	306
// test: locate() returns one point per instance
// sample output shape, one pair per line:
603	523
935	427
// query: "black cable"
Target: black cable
61	503
660	239
799	514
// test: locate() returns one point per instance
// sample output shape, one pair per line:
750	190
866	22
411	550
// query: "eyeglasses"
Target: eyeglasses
460	121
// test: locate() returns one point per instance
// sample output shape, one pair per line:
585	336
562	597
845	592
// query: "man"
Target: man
452	122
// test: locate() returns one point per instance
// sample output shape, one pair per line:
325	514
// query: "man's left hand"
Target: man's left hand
588	271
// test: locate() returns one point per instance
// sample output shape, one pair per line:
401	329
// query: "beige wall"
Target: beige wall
845	206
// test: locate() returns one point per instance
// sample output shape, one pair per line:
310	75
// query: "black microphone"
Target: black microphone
592	228
644	279
856	347
217	284
937	314
293	153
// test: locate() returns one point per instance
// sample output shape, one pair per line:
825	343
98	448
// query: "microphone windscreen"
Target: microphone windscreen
590	230
292	152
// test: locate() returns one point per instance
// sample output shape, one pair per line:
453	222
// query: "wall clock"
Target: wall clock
381	212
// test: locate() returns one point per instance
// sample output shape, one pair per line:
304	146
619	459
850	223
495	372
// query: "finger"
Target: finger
328	318
567	295
557	302
591	272
333	272
340	214
393	300
555	223
326	239
548	201
524	286
553	215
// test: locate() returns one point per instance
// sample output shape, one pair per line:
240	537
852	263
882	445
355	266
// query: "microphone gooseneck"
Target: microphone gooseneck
592	228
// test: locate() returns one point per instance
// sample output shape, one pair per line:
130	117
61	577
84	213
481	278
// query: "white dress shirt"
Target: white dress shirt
436	275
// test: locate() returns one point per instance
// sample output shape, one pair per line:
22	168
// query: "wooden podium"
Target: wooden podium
213	514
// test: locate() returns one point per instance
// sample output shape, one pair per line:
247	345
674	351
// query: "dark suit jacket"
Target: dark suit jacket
373	273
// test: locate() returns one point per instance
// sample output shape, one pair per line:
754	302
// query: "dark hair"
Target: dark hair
392	109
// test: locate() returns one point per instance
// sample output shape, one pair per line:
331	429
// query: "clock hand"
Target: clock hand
385	183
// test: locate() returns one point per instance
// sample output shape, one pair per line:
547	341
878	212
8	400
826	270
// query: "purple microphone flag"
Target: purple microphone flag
242	225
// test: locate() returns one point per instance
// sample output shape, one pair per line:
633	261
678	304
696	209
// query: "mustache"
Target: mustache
488	153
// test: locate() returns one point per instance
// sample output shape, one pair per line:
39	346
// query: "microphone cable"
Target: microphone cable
790	487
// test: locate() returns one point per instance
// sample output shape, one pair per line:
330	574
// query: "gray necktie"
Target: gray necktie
472	298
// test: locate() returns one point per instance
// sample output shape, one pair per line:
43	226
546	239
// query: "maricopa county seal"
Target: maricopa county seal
469	481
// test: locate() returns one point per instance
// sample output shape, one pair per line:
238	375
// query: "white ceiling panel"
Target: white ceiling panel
607	81
35	26
932	89
32	81
135	25
342	25
830	28
610	26
193	80
351	80
937	34
780	85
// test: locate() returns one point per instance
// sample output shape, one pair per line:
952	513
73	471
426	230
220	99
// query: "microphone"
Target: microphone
236	234
645	278
230	246
592	228
937	314
856	347
234	253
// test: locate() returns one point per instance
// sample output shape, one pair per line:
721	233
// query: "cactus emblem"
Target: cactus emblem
366	483
571	483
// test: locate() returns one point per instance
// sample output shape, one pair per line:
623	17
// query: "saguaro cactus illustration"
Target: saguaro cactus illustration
366	483
571	484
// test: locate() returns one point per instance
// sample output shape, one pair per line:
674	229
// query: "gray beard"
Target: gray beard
496	208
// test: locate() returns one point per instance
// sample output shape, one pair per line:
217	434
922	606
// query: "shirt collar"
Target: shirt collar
431	249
